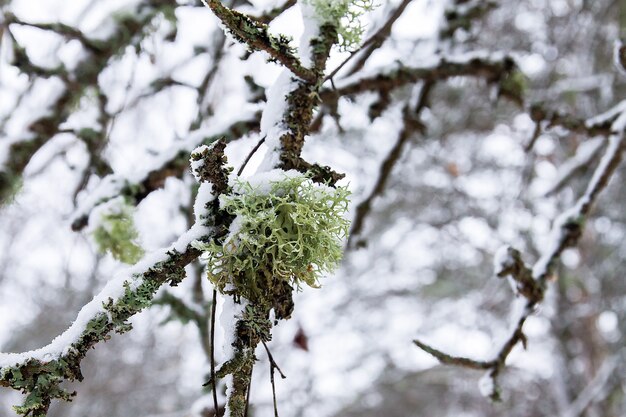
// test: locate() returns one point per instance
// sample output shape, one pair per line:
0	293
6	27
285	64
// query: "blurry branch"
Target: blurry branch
68	32
593	389
600	125
461	14
496	69
493	69
173	165
446	359
531	283
256	35
198	313
411	125
545	119
129	30
23	62
203	89
372	43
586	153
40	373
20	98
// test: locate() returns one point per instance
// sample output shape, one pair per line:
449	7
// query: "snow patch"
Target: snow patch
487	385
502	259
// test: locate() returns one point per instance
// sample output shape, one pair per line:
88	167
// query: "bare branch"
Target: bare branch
411	125
566	232
493	69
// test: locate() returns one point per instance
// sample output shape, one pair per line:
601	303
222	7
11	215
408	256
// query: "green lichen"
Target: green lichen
345	15
10	185
292	234
116	234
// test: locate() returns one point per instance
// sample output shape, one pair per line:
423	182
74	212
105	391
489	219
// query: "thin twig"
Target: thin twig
273	366
536	132
411	124
213	378
252	152
446	359
567	231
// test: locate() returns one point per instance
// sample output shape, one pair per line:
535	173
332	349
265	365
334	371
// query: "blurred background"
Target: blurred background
458	188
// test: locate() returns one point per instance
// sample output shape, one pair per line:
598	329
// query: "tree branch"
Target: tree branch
411	125
173	164
566	232
256	35
494	69
128	31
40	373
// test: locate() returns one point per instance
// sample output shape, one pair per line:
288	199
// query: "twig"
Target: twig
245	414
536	132
446	359
593	389
212	351
492	69
372	43
252	152
273	366
272	14
411	124
566	232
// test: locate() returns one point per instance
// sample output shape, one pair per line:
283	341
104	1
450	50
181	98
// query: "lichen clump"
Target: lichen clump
117	235
346	16
288	229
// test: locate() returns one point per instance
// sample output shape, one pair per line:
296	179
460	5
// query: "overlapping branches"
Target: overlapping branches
40	373
172	165
493	69
285	124
129	30
531	283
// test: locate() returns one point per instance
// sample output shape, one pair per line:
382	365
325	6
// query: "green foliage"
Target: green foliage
116	234
291	233
345	15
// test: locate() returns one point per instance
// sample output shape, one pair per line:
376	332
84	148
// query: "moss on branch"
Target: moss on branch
256	35
40	375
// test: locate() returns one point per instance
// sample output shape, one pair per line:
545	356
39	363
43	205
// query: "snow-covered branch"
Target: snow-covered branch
171	163
494	68
16	153
532	282
40	373
256	35
284	125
